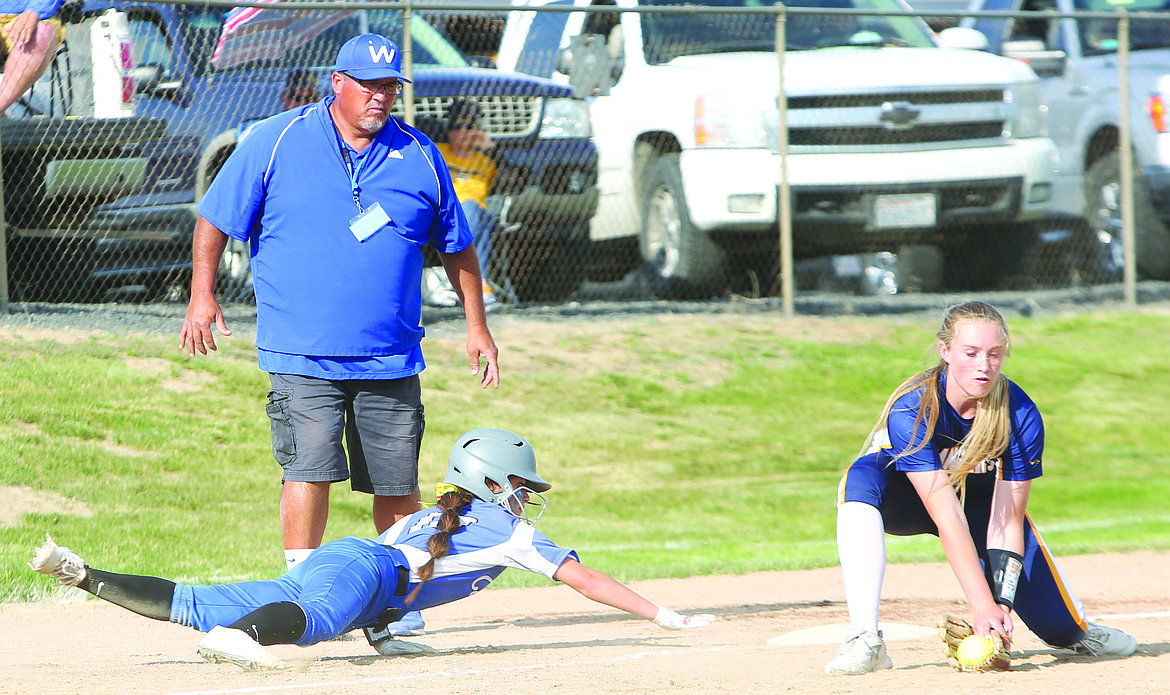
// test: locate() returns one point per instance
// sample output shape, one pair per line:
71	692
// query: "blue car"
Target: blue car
545	154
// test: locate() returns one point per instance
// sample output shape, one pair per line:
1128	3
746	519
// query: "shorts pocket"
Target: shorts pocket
284	441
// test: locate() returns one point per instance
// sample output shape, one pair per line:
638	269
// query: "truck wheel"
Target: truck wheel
234	281
681	262
1103	211
211	160
538	265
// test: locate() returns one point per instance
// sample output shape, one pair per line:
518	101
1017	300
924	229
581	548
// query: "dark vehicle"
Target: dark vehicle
541	131
69	146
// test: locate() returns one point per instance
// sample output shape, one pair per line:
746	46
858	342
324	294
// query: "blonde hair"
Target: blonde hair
991	428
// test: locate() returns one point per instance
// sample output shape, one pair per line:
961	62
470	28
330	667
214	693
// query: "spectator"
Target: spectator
300	89
30	33
473	172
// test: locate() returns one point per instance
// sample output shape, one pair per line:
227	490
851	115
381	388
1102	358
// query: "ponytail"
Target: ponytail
439	544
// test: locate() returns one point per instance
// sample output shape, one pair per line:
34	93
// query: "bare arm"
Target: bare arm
942	504
599	586
203	310
463	270
1005	530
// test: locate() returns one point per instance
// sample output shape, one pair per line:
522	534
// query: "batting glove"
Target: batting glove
670	620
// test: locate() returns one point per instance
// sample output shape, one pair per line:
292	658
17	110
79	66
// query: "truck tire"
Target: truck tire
233	282
1103	211
535	265
680	261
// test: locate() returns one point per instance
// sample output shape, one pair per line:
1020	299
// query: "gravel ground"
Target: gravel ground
597	302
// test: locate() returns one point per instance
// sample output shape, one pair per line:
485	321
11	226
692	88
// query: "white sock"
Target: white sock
861	547
292	557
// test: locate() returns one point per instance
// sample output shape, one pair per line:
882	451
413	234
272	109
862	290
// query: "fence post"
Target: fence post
1125	144
3	245
785	199
408	65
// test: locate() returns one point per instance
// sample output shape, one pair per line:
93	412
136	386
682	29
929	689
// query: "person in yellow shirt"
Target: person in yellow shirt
473	170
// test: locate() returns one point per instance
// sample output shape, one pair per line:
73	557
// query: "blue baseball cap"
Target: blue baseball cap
370	57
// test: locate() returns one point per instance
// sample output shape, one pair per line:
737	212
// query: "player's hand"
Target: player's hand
953	630
196	333
671	620
23	28
993	619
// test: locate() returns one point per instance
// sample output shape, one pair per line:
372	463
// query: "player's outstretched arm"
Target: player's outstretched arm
599	586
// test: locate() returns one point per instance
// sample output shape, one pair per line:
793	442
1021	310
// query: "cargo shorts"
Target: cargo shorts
380	420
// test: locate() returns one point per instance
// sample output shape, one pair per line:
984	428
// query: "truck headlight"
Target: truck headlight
564	118
735	120
1031	114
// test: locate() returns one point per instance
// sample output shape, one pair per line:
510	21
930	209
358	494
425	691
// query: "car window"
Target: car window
201	31
429	48
539	55
668	36
1099	36
150	45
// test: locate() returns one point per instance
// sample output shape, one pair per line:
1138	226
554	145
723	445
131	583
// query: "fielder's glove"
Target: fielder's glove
670	620
954	630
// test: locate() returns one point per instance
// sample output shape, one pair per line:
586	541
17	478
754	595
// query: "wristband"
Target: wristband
1003	575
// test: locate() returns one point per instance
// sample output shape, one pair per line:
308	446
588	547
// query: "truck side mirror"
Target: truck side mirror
147	77
962	37
1044	62
564	62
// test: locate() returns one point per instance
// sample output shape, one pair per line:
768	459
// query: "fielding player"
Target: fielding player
483	524
954	454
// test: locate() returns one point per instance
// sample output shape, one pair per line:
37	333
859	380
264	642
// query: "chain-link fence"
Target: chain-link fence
644	138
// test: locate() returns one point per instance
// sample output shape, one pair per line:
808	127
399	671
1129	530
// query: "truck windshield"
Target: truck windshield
669	36
1099	36
430	48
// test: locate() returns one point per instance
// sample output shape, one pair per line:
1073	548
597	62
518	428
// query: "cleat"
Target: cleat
59	563
862	652
1100	640
411	624
225	645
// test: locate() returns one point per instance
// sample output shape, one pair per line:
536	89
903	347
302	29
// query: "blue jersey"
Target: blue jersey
43	8
288	190
490	541
1021	460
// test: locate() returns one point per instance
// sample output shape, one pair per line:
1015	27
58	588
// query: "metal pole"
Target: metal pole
785	202
407	66
1125	144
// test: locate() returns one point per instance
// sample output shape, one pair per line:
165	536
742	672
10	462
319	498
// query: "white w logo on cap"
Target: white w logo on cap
383	51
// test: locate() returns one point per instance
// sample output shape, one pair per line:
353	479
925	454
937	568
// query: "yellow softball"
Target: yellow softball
974	650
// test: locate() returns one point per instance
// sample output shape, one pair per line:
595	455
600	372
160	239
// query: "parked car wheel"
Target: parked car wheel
234	280
680	260
540	265
1103	211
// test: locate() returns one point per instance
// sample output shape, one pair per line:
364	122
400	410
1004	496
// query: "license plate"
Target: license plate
904	210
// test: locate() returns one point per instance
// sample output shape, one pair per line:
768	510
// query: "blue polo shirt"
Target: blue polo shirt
320	291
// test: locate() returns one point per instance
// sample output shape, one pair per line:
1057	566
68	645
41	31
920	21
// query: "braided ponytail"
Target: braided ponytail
439	544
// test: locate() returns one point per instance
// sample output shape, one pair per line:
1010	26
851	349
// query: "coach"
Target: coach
336	200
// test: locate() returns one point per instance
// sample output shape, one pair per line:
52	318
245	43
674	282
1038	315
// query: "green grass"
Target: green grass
712	446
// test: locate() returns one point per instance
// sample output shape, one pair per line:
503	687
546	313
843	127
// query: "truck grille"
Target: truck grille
903	118
504	116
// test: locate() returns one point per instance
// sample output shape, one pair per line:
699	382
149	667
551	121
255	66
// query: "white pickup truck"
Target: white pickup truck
1078	68
893	140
